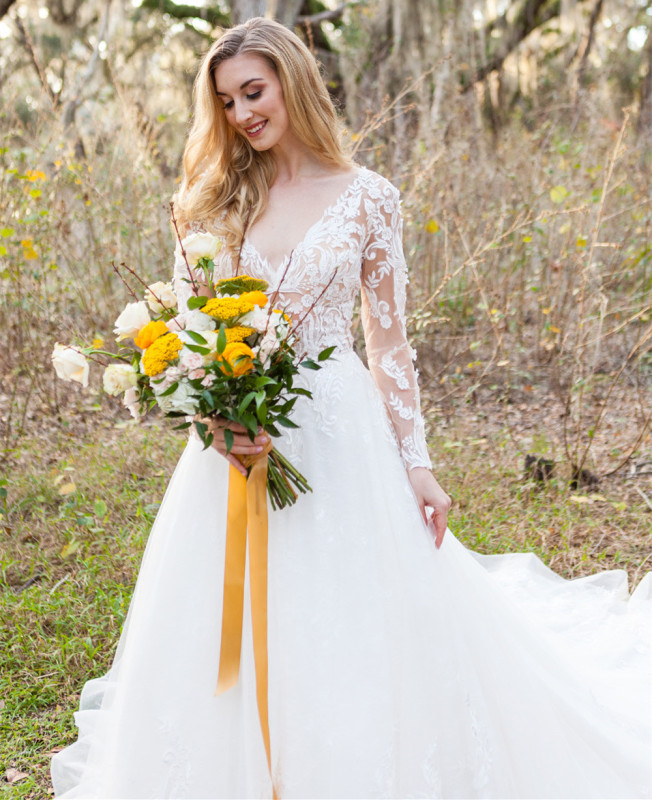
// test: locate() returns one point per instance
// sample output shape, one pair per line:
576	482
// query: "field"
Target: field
530	307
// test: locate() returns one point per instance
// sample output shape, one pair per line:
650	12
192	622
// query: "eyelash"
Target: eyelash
249	97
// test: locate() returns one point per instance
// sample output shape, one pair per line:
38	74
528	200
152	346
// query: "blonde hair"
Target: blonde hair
223	175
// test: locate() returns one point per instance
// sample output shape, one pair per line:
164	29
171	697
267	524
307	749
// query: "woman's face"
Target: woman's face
252	97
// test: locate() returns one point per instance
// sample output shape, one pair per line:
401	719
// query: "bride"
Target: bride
400	664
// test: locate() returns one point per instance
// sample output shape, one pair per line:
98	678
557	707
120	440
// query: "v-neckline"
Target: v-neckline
329	208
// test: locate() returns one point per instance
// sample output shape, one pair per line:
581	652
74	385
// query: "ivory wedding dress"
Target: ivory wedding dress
396	670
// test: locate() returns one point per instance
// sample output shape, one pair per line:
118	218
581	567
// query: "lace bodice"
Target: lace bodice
355	245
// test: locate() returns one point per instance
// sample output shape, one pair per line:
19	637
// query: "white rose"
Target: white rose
70	364
196	320
200	245
133	318
118	378
258	319
160	296
268	346
279	323
182	399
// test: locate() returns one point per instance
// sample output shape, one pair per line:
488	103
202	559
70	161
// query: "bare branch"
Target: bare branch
530	16
210	14
326	16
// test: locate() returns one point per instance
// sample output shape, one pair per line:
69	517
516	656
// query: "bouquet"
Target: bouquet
231	354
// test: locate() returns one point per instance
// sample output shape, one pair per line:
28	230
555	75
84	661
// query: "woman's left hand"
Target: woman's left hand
429	494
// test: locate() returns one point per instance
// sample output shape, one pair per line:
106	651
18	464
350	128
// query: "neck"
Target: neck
294	160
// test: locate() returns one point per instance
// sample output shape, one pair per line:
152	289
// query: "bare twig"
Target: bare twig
193	282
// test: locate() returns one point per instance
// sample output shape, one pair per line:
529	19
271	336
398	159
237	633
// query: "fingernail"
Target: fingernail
259	449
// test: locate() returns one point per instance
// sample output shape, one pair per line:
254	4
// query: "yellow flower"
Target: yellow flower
227	309
239	356
35	175
161	353
257	298
238	333
149	333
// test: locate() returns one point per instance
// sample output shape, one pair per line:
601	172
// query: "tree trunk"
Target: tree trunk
287	11
242	10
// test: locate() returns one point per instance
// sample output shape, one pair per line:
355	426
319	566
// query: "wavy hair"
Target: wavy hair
223	176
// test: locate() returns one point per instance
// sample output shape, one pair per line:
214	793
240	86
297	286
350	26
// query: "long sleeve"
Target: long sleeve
389	355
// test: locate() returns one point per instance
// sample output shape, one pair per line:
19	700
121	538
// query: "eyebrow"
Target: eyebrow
246	83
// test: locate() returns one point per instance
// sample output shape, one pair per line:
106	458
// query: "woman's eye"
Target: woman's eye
254	95
229	104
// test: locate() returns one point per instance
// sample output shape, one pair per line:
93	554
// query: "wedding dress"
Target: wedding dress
396	670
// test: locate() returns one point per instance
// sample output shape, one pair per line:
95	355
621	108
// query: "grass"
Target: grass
79	509
530	307
67	570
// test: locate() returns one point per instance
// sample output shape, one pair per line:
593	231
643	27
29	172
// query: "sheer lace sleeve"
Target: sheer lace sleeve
384	281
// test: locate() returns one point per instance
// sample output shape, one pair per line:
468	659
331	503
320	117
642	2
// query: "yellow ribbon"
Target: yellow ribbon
247	514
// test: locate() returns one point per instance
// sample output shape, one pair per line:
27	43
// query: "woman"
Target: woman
400	664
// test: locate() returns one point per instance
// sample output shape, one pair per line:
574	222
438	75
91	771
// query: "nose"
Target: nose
242	113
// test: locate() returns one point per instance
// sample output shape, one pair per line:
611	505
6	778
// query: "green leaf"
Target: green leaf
182	427
99	508
196	337
208	398
246	400
261	413
251	423
558	194
198	349
228	439
221	339
263	380
169	390
197	302
327	353
285	422
309	364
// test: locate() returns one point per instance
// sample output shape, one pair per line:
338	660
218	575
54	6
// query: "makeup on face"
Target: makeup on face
252	99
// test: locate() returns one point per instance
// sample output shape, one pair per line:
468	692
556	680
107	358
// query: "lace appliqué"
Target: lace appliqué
355	245
176	761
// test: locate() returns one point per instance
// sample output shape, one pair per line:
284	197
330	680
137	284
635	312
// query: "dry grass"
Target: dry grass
529	311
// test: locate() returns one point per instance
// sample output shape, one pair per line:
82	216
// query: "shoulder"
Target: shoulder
378	189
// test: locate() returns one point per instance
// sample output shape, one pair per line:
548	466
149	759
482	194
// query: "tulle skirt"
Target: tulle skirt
395	669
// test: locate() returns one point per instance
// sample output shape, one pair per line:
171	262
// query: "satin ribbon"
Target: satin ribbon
247	522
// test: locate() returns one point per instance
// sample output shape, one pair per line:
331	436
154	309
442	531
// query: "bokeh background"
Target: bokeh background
520	133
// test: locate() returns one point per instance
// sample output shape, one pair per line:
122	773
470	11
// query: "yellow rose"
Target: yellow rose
150	333
257	298
240	358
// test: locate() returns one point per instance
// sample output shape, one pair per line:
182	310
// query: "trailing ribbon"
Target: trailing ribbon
247	514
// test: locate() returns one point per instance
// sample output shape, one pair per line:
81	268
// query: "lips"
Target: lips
255	130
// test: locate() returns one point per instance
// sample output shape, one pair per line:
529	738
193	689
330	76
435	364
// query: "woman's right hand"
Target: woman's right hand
242	444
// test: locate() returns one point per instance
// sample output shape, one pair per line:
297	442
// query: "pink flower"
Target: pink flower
130	402
190	360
